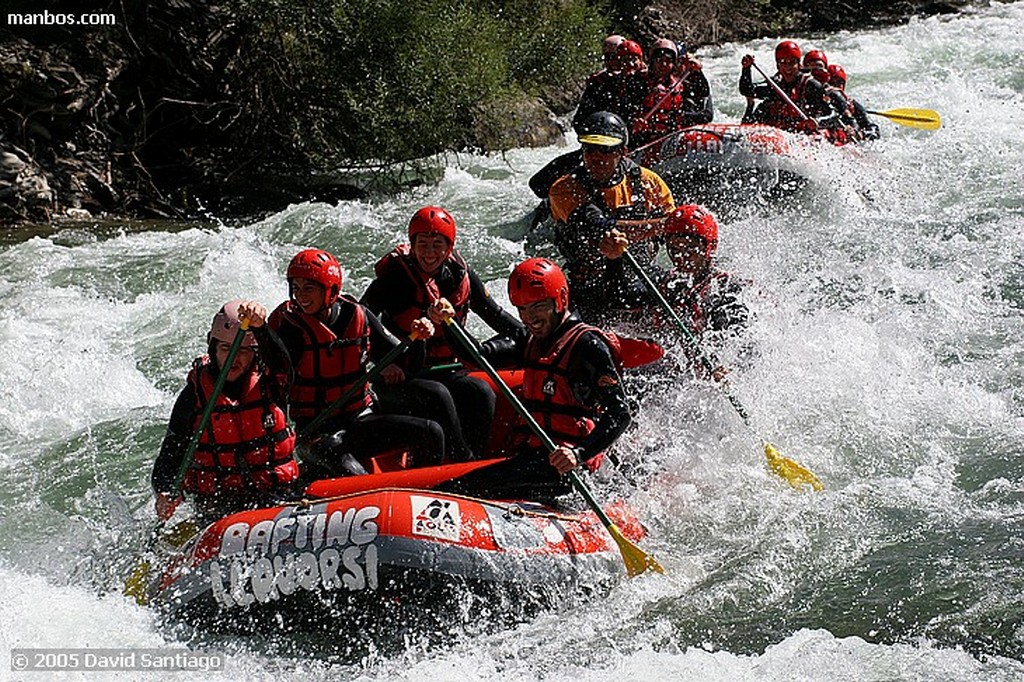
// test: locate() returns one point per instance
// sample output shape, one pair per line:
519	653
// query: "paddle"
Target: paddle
925	119
793	473
135	585
637	561
781	93
675	86
635	353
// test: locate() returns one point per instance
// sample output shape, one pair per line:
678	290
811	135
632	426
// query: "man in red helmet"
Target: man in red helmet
330	338
244	457
708	297
412	280
815	109
571	385
608	193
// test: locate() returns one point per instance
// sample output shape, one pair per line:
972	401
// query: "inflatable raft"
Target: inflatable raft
726	163
357	542
387	533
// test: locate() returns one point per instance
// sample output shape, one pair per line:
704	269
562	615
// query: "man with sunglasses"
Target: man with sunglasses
607	199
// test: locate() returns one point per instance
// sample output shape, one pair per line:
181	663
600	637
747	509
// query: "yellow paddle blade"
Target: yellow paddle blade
135	585
182	532
637	561
925	119
794	474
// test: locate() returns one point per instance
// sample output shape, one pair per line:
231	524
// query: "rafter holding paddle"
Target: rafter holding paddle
135	585
793	473
636	560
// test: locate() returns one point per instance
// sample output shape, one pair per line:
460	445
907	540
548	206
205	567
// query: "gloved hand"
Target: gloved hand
748	61
165	505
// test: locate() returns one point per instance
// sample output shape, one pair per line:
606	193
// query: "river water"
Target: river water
887	352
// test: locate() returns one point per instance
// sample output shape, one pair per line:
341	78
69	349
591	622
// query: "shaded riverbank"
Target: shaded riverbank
179	108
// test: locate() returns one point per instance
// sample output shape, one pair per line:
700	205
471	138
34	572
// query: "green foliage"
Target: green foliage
331	81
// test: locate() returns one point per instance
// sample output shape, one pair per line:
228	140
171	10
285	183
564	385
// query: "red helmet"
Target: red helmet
697	220
321	267
538	279
664	45
787	48
814	55
226	324
629	47
838	75
433	219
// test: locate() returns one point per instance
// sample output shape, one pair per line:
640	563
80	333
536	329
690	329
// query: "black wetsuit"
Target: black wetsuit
462	404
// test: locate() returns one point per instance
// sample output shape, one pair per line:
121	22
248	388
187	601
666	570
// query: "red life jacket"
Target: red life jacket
664	119
778	112
247	444
328	363
426	292
548	395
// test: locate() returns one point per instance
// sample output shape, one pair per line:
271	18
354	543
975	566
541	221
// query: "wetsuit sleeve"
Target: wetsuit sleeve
501	351
746	83
542	180
581	233
725	309
595	381
382	341
868	127
700	106
759	91
376	296
290	337
496	317
172	450
276	359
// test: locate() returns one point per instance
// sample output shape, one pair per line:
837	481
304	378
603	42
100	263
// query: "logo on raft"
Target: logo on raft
339	552
436	518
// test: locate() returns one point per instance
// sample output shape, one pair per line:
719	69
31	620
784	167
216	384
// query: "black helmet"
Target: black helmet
604	129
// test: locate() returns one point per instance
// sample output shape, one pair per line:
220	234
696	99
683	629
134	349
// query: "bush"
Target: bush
335	81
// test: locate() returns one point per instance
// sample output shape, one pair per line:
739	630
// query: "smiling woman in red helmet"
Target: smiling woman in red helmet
330	338
571	385
410	281
243	458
